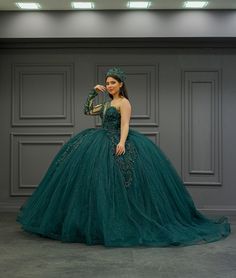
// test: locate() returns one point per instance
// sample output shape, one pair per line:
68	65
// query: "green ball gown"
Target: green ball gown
90	195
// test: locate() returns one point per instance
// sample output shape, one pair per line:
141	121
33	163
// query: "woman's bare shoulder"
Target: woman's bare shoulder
125	103
125	100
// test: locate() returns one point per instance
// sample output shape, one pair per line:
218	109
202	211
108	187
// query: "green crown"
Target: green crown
117	72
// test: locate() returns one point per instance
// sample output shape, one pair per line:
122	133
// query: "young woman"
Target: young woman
114	186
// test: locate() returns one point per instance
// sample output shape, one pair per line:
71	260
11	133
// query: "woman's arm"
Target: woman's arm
89	107
125	110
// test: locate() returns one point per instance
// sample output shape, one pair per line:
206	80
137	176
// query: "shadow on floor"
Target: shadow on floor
24	255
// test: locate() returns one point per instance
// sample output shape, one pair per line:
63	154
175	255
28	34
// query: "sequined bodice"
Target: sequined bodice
111	122
111	118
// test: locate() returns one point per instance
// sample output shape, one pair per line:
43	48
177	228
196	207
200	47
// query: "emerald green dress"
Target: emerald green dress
90	195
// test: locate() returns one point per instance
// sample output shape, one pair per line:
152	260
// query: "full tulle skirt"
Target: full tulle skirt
90	195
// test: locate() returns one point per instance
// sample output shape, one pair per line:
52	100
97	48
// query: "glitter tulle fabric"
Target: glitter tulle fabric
90	195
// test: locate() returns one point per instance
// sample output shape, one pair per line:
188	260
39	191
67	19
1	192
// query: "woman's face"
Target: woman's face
113	86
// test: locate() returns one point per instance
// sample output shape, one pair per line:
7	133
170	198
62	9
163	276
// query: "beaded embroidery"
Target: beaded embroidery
67	150
89	107
125	161
111	123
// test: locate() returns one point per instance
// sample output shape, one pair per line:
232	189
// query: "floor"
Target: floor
24	255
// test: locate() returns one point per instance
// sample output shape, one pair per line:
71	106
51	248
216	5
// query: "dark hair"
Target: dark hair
123	90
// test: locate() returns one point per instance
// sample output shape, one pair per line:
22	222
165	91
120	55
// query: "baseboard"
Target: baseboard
6	207
209	212
230	213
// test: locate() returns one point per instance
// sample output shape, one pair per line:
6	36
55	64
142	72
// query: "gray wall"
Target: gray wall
125	24
182	94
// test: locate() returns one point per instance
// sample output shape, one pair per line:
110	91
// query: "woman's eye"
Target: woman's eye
111	83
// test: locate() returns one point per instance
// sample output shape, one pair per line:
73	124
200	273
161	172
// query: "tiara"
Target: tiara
117	72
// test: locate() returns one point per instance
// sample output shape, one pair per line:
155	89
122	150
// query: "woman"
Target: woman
113	186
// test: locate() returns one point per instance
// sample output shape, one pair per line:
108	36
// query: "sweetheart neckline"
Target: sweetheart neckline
114	108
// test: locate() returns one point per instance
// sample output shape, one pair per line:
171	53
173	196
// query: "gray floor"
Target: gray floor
24	255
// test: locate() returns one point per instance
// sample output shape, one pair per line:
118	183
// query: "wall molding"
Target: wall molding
18	139
63	71
136	42
202	167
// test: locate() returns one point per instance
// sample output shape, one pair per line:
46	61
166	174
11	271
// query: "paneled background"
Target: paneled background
184	102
